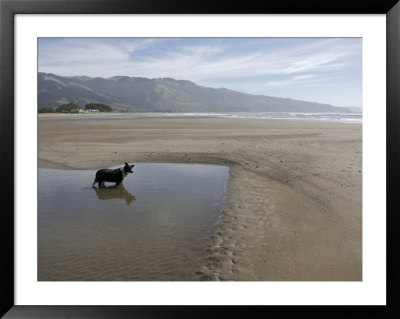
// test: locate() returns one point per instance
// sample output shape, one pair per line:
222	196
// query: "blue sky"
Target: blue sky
324	70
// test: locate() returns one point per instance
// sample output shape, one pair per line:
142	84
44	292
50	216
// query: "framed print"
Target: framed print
168	159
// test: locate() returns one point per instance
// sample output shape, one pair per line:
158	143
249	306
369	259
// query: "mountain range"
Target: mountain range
162	95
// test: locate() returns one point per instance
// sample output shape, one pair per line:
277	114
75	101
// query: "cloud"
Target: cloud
306	80
77	55
196	61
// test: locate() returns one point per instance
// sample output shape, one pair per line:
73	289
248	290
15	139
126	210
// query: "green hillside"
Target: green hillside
168	95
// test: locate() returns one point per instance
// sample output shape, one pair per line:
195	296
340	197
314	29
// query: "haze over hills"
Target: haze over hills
163	94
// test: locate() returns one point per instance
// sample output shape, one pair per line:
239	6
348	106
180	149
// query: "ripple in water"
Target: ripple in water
154	227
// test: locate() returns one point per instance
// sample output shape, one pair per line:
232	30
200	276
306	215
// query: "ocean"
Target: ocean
324	117
353	118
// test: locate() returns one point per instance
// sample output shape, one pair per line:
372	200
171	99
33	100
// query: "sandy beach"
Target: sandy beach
293	206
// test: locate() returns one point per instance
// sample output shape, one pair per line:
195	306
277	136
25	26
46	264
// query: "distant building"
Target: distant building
78	110
90	111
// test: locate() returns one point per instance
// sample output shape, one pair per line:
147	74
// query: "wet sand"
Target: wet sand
293	208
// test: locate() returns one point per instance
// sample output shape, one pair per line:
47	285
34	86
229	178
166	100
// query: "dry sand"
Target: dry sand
293	209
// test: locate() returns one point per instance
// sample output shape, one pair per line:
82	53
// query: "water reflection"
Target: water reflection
108	234
110	192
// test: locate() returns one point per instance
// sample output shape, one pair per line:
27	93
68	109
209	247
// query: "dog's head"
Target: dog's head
128	168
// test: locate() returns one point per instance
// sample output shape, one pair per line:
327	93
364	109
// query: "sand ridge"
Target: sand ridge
293	204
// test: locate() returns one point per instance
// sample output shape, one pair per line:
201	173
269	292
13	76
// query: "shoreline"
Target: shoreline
290	116
293	200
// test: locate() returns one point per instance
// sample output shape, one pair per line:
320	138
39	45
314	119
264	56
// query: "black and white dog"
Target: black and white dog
112	175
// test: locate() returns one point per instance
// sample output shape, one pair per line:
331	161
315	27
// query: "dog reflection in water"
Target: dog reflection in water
119	192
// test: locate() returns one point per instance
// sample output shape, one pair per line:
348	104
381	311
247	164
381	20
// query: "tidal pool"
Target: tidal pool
153	227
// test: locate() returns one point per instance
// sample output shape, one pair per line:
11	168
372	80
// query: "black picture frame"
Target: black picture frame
8	8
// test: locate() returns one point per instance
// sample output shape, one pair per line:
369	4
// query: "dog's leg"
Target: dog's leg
94	182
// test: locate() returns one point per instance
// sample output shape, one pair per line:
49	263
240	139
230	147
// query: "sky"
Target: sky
324	70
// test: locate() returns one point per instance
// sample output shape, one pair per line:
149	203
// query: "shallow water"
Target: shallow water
156	226
352	118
